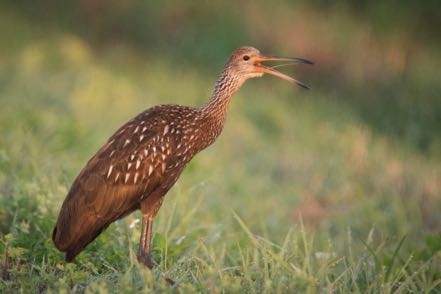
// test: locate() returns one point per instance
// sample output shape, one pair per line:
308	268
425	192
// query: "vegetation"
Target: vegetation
337	189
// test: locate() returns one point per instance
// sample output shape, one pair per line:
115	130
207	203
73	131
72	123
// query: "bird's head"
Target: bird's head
246	62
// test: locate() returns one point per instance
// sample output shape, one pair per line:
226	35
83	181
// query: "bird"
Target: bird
144	158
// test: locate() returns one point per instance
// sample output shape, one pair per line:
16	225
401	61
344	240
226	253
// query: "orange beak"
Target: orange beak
270	70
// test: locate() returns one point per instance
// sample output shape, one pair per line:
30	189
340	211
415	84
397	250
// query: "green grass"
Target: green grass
303	192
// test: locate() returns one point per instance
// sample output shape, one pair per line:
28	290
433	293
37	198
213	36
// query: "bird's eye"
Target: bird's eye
246	57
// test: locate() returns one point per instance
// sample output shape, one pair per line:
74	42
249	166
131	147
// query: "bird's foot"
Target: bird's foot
145	260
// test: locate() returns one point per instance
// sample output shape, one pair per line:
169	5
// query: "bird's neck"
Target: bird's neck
226	86
214	112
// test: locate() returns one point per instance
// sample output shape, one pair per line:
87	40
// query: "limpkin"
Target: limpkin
144	158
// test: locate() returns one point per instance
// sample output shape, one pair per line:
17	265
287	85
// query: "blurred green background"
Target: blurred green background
335	189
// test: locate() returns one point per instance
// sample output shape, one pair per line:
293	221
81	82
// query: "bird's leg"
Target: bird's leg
145	244
149	208
145	241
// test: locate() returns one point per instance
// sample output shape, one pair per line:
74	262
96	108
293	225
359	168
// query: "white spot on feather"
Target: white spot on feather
126	142
117	176
146	152
136	130
129	165
166	129
150	169
127	178
138	163
110	171
144	129
136	178
141	137
111	153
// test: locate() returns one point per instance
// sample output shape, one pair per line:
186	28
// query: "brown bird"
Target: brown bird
144	158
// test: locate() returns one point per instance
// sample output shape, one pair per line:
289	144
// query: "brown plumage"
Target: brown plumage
144	158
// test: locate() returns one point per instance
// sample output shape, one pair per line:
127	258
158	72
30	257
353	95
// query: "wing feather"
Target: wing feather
112	184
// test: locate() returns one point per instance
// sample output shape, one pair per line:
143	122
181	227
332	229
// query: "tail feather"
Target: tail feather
72	237
73	251
89	208
74	231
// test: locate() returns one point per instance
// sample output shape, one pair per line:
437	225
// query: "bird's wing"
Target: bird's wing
128	167
123	172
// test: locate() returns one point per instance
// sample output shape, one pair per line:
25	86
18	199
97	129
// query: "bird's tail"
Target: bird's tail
72	241
70	254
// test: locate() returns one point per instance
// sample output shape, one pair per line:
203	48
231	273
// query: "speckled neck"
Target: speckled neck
227	84
214	112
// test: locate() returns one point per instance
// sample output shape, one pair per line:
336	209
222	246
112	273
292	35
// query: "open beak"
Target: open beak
270	70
